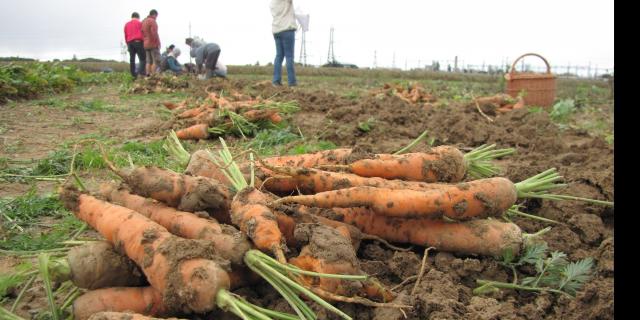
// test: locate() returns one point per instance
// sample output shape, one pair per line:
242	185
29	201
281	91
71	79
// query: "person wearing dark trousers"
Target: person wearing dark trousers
284	29
206	55
134	40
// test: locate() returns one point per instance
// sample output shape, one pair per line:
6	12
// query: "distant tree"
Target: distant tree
74	58
258	63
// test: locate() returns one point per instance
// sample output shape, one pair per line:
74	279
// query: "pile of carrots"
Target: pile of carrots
218	115
412	93
182	241
159	83
500	103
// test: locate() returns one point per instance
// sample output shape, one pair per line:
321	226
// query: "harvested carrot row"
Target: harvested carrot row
168	262
230	243
326	157
193	112
143	300
486	237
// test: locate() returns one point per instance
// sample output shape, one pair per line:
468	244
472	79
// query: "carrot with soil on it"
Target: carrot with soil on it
187	273
250	213
487	237
143	300
438	164
230	243
124	316
181	191
480	198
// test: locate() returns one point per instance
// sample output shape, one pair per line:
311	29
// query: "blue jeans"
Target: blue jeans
285	42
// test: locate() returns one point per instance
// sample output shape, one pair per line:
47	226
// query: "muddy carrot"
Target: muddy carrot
230	243
480	198
143	300
181	191
123	316
486	237
167	261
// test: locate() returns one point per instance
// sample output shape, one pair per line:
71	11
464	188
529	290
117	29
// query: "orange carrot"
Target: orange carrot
185	192
259	114
482	237
200	164
479	198
250	213
275	118
194	112
124	316
184	271
328	251
230	243
143	300
195	132
326	157
442	163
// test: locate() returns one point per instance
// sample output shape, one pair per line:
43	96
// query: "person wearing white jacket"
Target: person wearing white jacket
284	33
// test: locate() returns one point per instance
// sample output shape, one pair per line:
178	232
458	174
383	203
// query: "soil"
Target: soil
445	289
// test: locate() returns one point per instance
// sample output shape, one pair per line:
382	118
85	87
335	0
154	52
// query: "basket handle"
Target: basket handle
513	66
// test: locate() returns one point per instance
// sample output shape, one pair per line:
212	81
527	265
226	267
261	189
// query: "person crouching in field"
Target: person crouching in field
206	55
133	38
151	41
170	63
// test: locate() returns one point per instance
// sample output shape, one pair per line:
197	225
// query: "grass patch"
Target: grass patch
23	222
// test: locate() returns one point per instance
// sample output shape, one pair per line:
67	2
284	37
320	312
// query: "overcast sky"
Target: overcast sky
576	32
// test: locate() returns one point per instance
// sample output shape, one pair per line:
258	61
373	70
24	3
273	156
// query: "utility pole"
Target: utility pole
455	64
303	48
123	51
190	37
405	64
375	59
393	62
331	58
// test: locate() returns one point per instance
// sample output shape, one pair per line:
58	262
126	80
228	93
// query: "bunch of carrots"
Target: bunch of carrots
218	115
411	93
501	103
294	222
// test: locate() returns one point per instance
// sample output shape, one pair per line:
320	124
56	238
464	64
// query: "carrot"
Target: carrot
200	164
250	213
194	132
181	191
259	114
170	105
480	198
183	271
193	112
443	163
328	251
96	265
123	316
275	118
481	237
143	300
230	243
326	157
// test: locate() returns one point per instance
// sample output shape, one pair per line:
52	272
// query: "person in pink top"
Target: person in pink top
133	38
151	41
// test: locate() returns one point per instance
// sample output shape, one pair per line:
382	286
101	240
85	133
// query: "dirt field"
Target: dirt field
32	129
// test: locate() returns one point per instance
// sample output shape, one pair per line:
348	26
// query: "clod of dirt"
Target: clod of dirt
490	309
588	226
605	256
404	264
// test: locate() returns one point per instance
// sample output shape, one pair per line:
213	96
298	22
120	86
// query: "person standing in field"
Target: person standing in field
133	38
284	29
151	41
206	55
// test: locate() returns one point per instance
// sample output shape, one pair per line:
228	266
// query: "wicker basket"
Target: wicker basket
540	88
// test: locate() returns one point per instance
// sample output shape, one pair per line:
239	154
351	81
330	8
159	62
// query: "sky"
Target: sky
401	33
